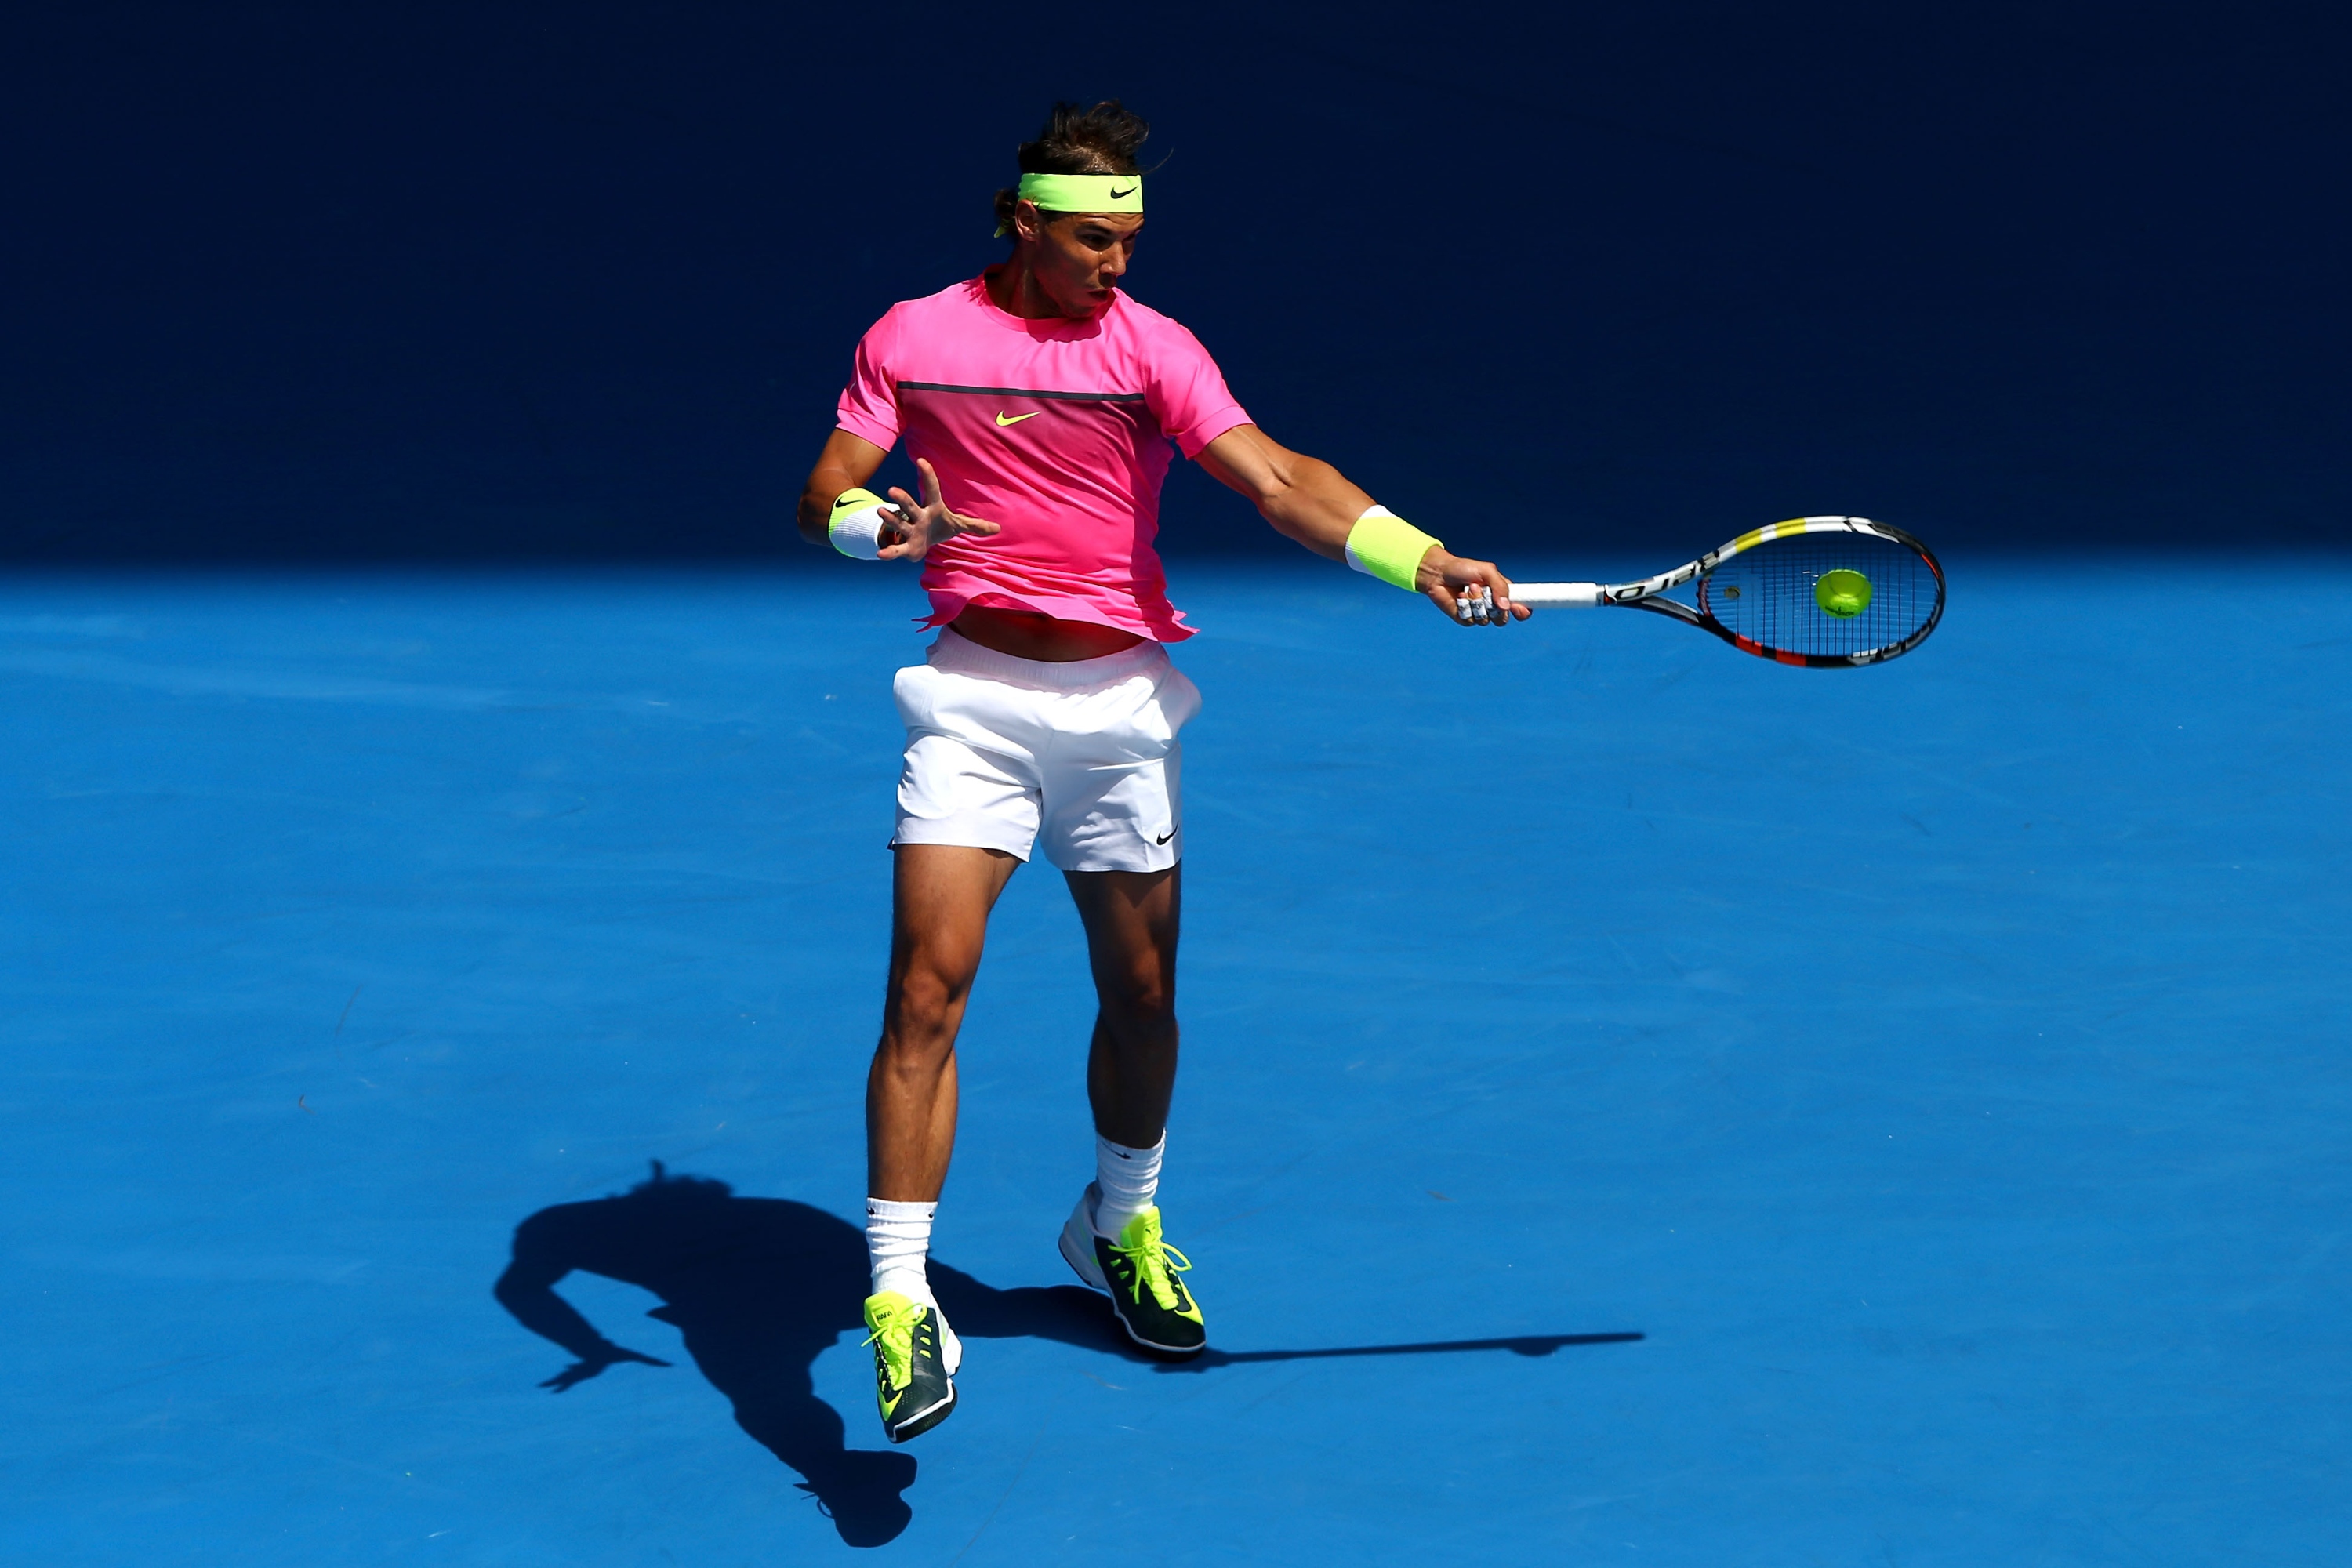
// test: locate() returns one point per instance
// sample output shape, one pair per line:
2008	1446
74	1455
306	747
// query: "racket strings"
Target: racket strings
1769	594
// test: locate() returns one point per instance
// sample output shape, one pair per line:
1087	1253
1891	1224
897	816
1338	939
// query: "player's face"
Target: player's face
1078	260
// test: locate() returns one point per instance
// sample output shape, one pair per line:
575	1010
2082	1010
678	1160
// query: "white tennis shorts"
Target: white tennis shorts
1003	751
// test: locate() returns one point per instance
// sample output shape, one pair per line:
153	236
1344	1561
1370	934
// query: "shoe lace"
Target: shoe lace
893	1329
1150	1261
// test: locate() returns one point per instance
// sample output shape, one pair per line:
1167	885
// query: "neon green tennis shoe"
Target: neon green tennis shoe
915	1358
1138	1270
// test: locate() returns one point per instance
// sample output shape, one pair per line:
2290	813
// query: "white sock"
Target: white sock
1129	1180
898	1240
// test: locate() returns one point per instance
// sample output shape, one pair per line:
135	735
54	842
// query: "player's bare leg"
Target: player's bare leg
941	895
1113	1239
940	898
1131	919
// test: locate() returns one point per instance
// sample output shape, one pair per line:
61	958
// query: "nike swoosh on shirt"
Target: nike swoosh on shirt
1165	836
1005	419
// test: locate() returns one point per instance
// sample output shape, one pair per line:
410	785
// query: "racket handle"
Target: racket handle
1545	595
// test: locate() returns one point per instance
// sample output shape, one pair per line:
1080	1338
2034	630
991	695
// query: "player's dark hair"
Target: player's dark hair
1103	140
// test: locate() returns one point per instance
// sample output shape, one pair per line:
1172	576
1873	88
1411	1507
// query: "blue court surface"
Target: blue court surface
1641	1104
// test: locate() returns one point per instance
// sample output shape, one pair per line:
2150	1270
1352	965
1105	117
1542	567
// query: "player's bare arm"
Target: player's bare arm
845	464
1309	500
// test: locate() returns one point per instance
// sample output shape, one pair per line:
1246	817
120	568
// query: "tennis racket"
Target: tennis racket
1827	593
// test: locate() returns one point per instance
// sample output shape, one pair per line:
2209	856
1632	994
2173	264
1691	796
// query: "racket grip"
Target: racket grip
1545	595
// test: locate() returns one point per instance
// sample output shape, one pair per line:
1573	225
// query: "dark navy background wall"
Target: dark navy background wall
579	280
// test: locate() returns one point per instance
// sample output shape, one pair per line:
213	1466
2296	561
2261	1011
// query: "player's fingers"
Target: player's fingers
897	527
931	483
979	525
1485	581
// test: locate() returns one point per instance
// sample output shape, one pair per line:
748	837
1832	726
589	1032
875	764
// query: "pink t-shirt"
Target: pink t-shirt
1057	429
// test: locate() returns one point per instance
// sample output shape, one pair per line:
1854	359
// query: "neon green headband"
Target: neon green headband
1082	192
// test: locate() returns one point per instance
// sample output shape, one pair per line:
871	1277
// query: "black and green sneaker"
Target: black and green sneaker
1138	1271
915	1358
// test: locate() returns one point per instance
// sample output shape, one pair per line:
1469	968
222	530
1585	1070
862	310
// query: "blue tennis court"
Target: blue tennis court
1762	1117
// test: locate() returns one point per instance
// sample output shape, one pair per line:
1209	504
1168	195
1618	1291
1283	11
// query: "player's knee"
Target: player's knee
926	994
919	1012
1145	998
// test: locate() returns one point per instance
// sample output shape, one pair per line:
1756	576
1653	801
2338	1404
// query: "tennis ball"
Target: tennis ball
1843	592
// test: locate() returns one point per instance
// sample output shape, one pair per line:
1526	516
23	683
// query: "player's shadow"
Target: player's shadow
761	1287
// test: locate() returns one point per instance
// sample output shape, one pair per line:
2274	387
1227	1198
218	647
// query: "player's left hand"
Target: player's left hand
929	522
1475	593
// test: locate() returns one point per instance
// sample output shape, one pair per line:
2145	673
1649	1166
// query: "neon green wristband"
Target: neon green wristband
1388	547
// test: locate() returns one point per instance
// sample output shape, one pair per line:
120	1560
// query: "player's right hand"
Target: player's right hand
1475	593
927	522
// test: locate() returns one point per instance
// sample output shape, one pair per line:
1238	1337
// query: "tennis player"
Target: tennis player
1039	402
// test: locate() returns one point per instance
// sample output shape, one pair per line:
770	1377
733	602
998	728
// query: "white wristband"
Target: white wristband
857	534
857	523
